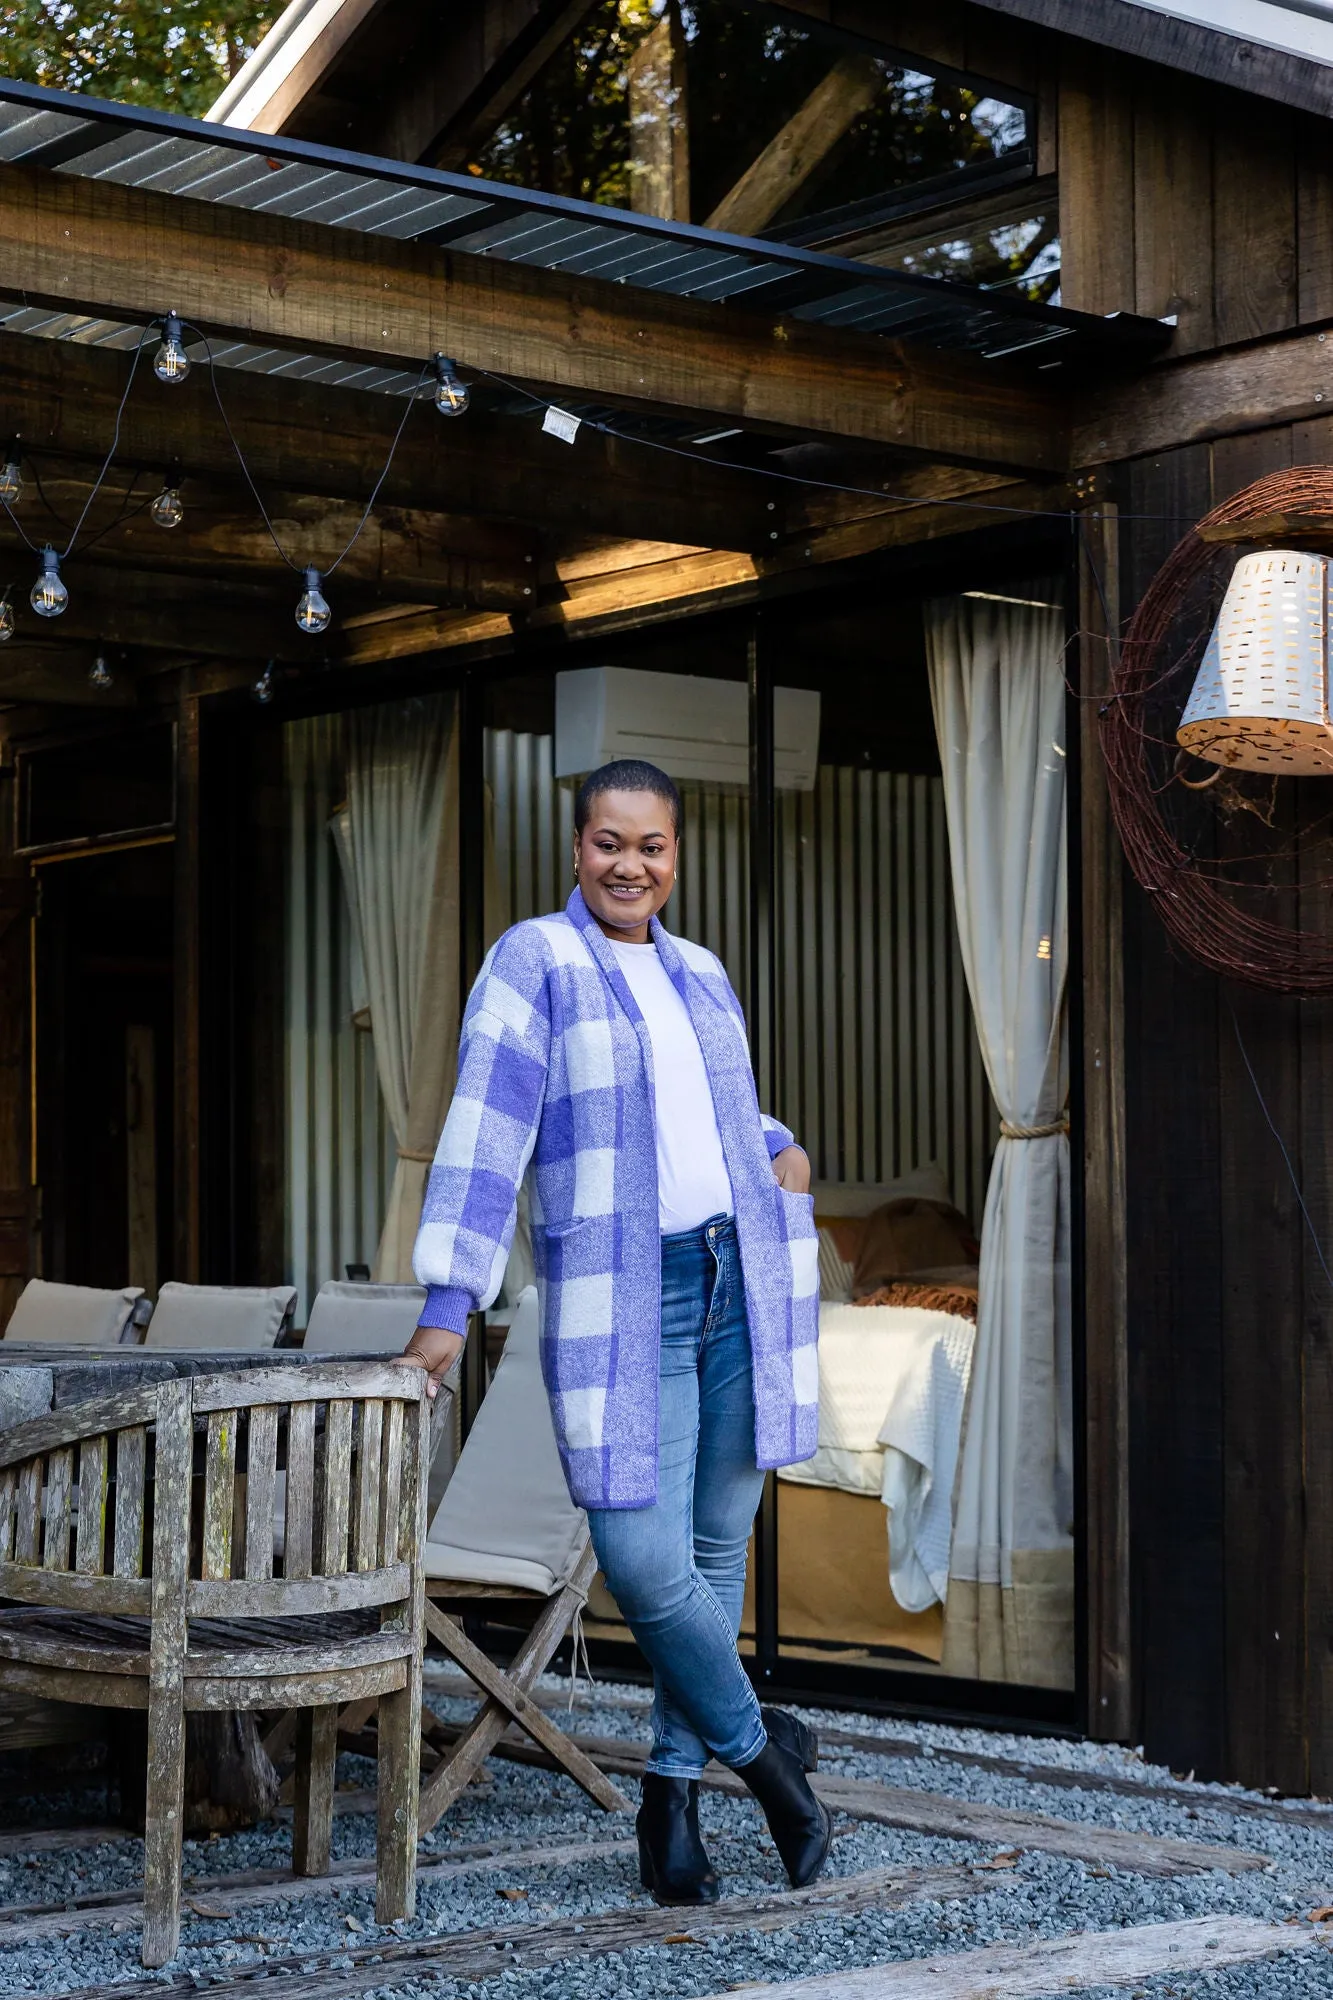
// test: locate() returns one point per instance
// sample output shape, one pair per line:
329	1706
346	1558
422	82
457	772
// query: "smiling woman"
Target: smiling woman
676	1262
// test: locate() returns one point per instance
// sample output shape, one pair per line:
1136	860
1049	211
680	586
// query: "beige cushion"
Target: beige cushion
220	1317
73	1315
506	1517
860	1198
349	1318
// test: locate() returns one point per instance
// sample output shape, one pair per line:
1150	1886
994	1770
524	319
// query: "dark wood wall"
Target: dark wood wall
1229	1310
1183	197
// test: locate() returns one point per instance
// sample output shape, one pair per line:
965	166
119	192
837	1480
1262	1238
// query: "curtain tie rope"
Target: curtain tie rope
414	1153
1008	1131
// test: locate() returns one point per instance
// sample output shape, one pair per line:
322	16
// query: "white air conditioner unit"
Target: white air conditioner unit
688	726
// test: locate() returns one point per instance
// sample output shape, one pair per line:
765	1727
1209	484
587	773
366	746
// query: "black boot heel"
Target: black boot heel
673	1863
793	1735
801	1824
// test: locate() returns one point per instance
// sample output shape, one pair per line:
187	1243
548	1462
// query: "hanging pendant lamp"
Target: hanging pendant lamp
1260	699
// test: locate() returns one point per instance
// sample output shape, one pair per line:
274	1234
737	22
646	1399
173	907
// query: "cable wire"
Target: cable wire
1282	1146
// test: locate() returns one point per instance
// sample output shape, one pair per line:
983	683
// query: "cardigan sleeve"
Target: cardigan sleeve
467	1217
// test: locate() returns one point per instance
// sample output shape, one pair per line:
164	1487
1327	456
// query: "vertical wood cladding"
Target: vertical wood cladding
1231	1355
1181	197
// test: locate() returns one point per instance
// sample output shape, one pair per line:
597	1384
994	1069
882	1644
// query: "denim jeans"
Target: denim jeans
677	1568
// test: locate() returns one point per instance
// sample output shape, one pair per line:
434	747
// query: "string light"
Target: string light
167	510
452	396
6	619
312	612
100	675
171	364
49	596
11	476
263	689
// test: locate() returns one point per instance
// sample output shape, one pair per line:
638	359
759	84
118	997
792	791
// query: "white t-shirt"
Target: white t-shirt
692	1179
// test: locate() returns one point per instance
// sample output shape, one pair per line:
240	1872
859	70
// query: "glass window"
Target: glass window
716	114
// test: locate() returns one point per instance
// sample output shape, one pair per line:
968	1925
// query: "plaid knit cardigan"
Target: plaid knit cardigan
555	1068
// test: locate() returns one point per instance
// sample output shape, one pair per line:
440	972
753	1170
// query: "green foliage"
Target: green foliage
177	55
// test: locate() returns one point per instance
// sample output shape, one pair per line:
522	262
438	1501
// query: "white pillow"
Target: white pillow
349	1317
219	1316
73	1315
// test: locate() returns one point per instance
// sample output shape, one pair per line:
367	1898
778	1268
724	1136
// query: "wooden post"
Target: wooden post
188	1218
659	130
1106	1352
763	1042
165	1801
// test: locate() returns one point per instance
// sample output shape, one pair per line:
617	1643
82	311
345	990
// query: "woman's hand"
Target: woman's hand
435	1349
791	1169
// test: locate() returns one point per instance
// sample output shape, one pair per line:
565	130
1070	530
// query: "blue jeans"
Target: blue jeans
677	1568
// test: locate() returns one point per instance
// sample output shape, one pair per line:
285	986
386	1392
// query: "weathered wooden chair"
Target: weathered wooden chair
137	1535
507	1536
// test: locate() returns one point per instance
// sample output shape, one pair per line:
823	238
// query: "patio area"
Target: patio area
966	1863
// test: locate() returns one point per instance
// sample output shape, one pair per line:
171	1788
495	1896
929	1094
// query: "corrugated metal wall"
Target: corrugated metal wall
340	1148
880	1069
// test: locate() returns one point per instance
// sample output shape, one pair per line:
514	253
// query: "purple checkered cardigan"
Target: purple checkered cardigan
555	1066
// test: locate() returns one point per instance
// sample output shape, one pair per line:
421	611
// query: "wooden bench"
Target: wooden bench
137	1534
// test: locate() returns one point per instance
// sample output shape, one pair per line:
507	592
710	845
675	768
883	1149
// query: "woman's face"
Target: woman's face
626	861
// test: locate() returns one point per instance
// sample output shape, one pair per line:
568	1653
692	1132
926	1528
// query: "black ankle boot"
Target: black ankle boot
793	1735
801	1825
673	1863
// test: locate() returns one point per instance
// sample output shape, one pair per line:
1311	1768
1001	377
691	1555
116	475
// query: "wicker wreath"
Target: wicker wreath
1207	914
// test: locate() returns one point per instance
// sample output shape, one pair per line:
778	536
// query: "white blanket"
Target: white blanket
892	1380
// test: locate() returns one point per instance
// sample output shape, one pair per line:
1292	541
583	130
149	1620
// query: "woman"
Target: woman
677	1265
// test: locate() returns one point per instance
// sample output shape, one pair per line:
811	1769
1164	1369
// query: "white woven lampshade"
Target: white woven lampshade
1260	700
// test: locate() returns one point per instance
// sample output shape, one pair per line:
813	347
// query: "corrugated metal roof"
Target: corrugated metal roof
178	156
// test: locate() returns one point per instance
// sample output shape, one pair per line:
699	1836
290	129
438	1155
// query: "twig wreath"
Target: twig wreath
1207	911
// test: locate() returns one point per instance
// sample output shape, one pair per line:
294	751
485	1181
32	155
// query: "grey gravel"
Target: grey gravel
1040	1897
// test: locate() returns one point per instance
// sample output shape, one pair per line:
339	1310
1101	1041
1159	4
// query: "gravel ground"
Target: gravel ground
1039	1897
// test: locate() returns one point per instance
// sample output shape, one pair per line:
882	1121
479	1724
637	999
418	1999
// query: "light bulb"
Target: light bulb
451	396
312	613
100	674
11	478
167	510
6	619
171	363
263	690
49	596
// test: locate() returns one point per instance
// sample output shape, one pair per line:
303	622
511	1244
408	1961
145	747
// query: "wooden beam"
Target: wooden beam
659	123
309	439
625	595
403	551
30	671
808	137
1287	380
83	245
121	605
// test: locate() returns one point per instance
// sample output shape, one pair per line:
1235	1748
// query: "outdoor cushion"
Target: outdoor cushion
506	1518
352	1318
221	1317
74	1315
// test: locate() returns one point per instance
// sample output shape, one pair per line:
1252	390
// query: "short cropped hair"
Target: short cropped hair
626	774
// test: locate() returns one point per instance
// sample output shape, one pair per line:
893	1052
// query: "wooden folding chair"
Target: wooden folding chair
507	1534
136	1534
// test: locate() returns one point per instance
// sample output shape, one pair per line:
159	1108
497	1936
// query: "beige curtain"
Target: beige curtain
997	686
398	844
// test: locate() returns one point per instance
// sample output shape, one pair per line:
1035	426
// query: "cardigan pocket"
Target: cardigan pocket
588	1246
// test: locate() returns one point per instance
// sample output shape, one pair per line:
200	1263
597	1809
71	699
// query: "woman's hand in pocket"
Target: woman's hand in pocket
791	1169
435	1349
